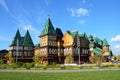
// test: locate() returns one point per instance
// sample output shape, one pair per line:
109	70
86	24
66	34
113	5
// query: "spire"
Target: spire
17	36
105	43
28	40
48	28
90	36
48	16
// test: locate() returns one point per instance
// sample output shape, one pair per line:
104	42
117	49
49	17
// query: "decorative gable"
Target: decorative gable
68	39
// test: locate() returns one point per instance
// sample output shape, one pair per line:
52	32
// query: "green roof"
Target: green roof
91	44
72	33
23	41
98	41
17	37
90	36
48	28
98	50
27	40
105	43
83	35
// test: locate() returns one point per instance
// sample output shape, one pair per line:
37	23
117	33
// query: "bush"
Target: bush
28	65
62	67
14	65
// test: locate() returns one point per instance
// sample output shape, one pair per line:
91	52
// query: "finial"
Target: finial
48	15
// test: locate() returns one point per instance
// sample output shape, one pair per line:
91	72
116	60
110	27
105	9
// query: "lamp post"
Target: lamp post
17	50
78	46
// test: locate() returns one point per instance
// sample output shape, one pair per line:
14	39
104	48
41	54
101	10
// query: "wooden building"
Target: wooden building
22	48
54	46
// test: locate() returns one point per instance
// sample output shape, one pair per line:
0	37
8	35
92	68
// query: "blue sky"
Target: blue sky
100	18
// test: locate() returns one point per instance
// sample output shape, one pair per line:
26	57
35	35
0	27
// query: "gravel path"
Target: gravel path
81	70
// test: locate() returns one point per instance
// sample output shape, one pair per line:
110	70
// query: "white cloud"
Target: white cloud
79	12
28	27
117	47
72	12
82	21
4	5
82	11
115	39
84	1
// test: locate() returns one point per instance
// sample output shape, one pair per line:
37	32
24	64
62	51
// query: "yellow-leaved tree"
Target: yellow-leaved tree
9	58
37	59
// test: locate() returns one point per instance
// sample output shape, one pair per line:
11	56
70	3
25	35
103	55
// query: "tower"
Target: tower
48	49
105	45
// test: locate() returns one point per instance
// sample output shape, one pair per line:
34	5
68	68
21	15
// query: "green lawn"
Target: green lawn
95	75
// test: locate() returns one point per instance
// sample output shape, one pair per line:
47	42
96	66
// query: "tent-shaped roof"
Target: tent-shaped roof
90	36
48	28
27	40
83	35
105	43
17	37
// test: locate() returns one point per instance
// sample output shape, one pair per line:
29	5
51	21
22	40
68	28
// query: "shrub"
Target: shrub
62	67
14	65
28	65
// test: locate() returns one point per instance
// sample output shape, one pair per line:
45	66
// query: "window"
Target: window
62	51
29	53
20	54
14	53
25	53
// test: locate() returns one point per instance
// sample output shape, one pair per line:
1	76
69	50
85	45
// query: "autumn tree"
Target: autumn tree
96	59
118	58
37	59
68	59
9	58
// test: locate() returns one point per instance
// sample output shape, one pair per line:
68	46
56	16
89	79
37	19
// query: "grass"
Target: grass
94	75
